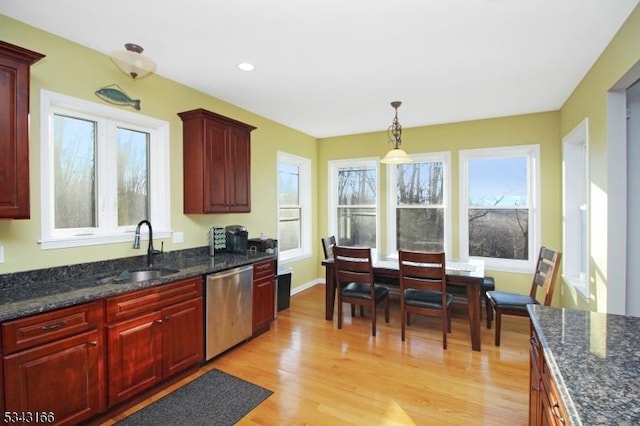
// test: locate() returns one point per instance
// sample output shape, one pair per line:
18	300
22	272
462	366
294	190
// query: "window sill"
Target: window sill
95	239
579	285
286	257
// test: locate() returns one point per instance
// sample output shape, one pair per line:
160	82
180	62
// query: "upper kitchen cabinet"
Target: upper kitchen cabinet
14	130
217	163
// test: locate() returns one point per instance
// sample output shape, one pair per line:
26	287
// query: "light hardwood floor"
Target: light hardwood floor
324	376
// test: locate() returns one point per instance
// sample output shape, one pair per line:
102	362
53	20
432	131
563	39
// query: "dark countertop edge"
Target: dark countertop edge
203	265
570	407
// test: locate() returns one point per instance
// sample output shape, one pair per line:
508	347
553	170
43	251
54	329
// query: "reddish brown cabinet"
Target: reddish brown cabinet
545	405
153	334
14	130
53	354
217	163
264	286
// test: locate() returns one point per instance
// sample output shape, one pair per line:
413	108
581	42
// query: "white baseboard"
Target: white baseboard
307	285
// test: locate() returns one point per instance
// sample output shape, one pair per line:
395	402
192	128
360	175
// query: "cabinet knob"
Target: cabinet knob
167	318
92	343
159	321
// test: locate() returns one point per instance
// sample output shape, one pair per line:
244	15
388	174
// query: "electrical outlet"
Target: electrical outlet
178	237
1	254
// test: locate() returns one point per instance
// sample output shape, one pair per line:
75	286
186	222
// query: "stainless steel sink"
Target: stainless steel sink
138	275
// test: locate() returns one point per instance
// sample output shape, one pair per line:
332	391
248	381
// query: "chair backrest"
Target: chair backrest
353	265
327	246
546	272
422	271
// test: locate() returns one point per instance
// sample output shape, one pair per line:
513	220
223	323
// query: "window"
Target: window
575	178
419	204
499	216
353	202
103	170
294	206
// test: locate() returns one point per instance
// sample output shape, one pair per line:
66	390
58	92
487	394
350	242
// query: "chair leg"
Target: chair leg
373	319
445	325
450	311
339	312
404	321
386	310
489	313
353	310
498	326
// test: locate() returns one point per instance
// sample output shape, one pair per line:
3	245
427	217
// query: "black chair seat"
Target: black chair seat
363	291
425	299
488	284
511	301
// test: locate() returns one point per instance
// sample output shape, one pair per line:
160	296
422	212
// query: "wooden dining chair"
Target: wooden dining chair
327	246
544	278
355	285
423	289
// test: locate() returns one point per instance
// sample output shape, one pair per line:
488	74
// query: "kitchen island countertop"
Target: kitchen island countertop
42	290
594	359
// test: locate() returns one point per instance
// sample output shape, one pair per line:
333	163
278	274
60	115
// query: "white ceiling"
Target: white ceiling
332	67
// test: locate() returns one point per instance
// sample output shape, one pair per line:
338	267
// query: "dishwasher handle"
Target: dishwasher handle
230	272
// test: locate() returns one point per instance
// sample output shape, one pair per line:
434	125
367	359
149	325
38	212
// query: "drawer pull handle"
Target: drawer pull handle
556	412
159	321
93	343
49	327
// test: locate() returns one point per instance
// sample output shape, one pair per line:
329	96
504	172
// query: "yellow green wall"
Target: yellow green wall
589	100
542	129
77	71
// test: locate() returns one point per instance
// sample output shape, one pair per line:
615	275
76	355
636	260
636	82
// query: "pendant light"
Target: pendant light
132	62
396	155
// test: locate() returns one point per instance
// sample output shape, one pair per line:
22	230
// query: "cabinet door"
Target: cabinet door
263	302
64	378
535	386
182	336
217	168
134	356
14	130
240	166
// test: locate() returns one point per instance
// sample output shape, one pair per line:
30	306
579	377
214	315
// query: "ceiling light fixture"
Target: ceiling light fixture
246	66
132	62
396	155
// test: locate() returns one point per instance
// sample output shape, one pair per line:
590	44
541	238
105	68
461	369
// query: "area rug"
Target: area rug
215	398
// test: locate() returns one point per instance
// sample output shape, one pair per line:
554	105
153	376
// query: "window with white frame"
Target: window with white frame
102	171
353	202
499	206
575	195
294	206
419	213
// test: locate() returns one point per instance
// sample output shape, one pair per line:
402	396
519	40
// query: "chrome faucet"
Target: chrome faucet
150	249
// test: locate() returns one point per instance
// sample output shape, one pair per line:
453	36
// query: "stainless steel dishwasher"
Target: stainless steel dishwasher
228	313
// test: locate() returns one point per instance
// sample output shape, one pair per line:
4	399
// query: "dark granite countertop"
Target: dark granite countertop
31	292
595	360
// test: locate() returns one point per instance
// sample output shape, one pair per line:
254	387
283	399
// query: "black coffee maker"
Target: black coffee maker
237	238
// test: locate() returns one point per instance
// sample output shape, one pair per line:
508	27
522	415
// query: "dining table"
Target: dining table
465	275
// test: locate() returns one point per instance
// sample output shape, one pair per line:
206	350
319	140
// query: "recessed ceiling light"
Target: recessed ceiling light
246	66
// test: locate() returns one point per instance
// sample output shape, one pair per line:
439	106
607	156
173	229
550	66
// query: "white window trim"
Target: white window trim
304	186
576	140
333	195
159	175
392	187
533	153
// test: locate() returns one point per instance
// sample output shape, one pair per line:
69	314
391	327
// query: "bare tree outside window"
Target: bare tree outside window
499	208
420	206
289	218
357	206
133	176
74	172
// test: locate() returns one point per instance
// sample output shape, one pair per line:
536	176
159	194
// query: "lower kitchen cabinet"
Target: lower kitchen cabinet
53	365
264	287
545	405
153	334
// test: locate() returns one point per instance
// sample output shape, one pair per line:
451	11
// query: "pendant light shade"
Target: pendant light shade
396	155
132	62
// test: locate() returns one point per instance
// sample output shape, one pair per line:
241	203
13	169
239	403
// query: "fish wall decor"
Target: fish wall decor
115	95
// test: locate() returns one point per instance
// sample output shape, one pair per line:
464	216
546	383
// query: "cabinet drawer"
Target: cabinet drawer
152	299
558	412
44	328
263	269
